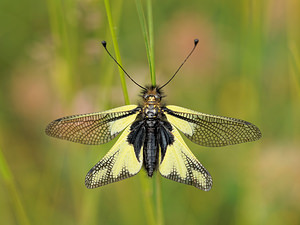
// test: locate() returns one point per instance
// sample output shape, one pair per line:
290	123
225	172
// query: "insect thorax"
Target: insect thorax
152	98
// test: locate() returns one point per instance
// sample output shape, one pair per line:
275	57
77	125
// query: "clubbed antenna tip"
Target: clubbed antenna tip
196	41
103	43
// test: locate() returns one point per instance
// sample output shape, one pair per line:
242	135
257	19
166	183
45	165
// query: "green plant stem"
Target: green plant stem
147	197
14	194
64	35
151	42
117	51
147	191
159	211
159	208
295	57
294	61
143	23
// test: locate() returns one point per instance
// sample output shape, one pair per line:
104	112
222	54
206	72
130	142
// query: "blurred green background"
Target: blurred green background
247	65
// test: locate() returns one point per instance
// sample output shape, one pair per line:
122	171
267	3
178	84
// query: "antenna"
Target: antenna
195	44
104	45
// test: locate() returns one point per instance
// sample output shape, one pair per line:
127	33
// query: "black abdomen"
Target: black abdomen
158	136
152	134
150	150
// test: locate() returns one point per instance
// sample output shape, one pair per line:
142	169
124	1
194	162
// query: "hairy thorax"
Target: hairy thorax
151	108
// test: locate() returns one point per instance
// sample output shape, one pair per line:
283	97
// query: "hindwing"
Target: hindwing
119	163
179	164
209	130
93	128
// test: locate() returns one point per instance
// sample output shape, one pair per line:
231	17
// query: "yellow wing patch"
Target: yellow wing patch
210	130
93	128
179	164
118	164
118	125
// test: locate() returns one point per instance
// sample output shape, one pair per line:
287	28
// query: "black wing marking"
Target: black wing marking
93	128
210	130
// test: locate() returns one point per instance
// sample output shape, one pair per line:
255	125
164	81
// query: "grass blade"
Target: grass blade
15	197
159	208
151	42
147	39
117	51
148	34
147	192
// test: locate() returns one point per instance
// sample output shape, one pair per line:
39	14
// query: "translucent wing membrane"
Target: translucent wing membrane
119	163
210	130
93	128
179	164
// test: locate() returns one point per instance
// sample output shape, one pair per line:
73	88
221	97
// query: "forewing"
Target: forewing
119	163
210	130
93	128
180	165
